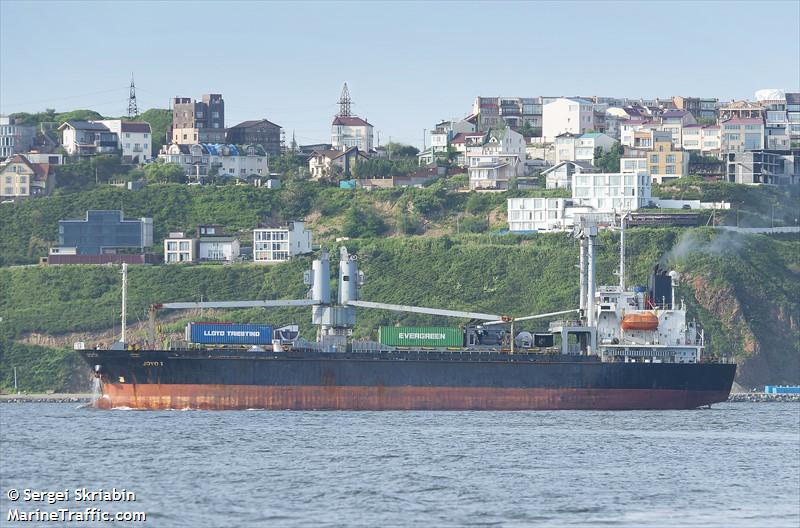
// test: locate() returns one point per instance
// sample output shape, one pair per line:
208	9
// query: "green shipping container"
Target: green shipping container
421	336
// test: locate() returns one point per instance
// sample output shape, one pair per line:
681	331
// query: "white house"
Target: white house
704	139
210	244
351	131
571	147
566	115
134	139
492	164
560	176
199	159
276	243
86	138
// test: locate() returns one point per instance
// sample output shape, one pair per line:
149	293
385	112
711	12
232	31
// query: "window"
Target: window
670	169
184	246
670	158
127	134
654	158
172	246
146	135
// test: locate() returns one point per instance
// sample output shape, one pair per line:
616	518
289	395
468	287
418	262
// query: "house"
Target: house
572	147
441	136
180	248
703	139
776	119
326	163
134	139
201	160
14	138
22	178
259	132
742	133
496	160
740	109
462	141
101	233
198	121
347	130
566	115
87	138
210	244
560	175
673	121
273	242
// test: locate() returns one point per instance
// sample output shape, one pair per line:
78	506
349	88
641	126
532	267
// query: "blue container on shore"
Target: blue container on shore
228	334
782	389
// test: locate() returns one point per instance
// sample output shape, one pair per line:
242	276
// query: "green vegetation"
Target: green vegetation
608	160
745	290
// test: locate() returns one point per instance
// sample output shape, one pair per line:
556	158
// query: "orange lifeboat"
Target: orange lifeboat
640	321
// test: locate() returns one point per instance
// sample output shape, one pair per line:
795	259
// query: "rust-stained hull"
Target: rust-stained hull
230	397
398	380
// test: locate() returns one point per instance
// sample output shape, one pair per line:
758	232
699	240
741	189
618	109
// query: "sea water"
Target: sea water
734	465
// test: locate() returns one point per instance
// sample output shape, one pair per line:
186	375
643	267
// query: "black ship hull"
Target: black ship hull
399	380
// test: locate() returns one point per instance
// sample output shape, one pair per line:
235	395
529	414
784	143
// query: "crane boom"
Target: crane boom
237	304
538	316
429	311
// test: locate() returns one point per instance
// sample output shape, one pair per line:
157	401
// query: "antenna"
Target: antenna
133	109
344	102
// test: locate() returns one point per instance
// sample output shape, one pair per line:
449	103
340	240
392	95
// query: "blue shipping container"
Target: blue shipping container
228	334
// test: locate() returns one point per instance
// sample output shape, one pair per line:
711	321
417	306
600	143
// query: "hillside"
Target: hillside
31	226
745	290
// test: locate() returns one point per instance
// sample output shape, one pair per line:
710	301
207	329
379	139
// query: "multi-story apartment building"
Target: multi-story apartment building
776	119
742	133
134	139
14	138
793	117
274	243
515	112
198	121
559	176
441	136
566	115
665	162
22	178
601	194
755	167
496	160
88	138
259	132
700	107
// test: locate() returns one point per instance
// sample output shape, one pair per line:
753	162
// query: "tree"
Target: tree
608	161
363	221
165	173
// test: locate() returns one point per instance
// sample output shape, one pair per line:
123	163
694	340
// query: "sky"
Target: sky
407	64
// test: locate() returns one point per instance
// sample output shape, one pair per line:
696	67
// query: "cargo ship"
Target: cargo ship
618	350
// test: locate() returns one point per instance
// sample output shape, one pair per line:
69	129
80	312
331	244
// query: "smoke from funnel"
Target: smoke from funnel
726	242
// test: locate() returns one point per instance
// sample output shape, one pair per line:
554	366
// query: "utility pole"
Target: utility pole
15	380
124	299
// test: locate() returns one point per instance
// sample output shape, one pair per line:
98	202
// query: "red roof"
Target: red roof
135	126
40	170
349	121
744	121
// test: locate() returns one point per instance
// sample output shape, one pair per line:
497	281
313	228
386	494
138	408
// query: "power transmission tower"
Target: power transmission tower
133	110
344	102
